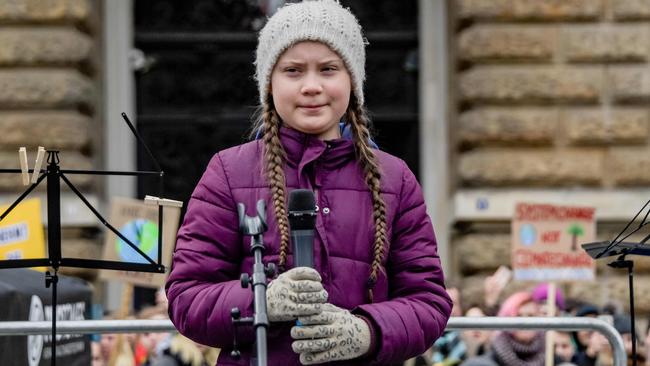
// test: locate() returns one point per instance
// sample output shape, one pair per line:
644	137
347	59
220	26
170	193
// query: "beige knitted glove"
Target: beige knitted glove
297	292
333	335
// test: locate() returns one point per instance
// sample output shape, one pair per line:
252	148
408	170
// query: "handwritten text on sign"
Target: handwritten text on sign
546	242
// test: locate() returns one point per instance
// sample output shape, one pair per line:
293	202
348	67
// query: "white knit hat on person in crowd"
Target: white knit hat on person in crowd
316	20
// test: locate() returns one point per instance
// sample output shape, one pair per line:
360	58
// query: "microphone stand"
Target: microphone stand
618	247
621	262
254	227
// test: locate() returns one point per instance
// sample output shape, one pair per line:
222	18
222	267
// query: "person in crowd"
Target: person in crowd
181	351
540	297
117	349
122	354
161	298
477	342
493	287
588	343
376	294
107	345
572	304
564	347
96	358
518	347
149	345
623	324
449	349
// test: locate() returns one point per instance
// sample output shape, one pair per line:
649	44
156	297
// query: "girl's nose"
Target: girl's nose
311	84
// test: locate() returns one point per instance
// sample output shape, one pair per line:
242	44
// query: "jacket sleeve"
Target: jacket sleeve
418	307
203	283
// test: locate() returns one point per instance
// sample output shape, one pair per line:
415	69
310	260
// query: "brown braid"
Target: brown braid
275	157
359	125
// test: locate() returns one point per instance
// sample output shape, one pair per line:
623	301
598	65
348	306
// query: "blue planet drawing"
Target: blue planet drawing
527	234
143	234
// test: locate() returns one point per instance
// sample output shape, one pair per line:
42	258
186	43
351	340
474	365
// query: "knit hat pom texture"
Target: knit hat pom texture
318	20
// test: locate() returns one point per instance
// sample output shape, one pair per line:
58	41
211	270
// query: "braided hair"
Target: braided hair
269	122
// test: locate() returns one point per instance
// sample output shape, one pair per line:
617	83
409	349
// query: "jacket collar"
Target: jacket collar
302	149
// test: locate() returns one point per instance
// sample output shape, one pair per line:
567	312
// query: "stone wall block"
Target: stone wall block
36	11
530	167
630	9
515	10
629	166
477	252
44	88
81	248
522	84
69	160
485	42
508	126
614	288
49	45
606	125
62	130
602	43
630	83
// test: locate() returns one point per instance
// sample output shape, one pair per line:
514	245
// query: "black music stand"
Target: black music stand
54	174
618	247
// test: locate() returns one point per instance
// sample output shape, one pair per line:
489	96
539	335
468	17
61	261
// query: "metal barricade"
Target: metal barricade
539	323
455	323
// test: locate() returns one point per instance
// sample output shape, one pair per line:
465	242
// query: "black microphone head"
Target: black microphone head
302	209
302	200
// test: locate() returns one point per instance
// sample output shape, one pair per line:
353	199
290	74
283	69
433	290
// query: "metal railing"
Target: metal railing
455	323
563	324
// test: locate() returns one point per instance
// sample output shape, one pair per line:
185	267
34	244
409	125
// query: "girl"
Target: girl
376	294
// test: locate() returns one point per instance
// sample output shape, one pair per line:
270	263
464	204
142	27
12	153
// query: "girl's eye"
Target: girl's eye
329	68
291	70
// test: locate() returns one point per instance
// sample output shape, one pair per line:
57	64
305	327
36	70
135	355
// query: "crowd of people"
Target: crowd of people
151	348
463	348
528	347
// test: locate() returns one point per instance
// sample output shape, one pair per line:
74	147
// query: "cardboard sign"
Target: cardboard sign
139	223
22	233
546	242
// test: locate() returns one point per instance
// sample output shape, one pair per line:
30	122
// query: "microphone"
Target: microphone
302	220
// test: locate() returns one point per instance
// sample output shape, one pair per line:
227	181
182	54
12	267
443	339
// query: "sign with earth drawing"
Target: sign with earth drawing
138	222
546	242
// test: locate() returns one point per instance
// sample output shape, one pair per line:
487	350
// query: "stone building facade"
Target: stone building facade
551	95
50	96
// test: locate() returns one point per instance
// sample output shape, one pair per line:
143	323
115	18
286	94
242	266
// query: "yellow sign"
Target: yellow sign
21	232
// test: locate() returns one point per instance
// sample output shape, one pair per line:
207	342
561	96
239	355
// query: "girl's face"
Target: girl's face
311	88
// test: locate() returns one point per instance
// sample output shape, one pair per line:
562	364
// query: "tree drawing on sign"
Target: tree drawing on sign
575	230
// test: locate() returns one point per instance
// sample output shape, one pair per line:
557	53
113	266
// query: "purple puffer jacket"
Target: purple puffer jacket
411	305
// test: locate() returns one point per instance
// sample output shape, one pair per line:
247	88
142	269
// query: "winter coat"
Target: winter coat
410	308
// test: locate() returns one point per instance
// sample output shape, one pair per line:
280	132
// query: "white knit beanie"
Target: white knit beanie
317	20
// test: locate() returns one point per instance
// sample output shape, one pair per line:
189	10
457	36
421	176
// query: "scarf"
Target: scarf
510	352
